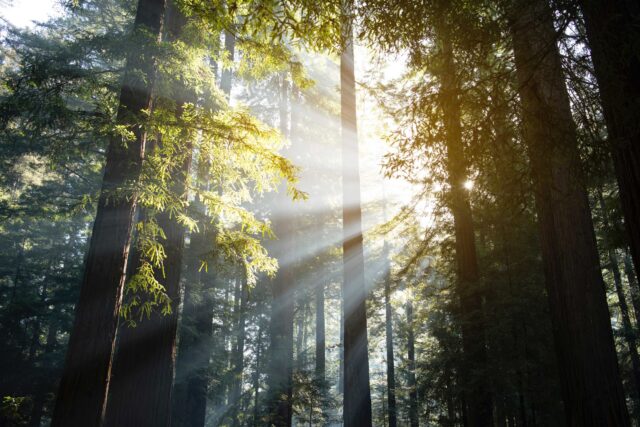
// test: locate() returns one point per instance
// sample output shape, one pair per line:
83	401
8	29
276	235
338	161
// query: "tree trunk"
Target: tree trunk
281	366
41	395
320	333
84	384
357	391
612	29
144	365
256	378
590	378
238	362
478	394
388	319
411	359
634	290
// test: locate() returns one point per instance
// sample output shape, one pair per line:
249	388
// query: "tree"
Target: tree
85	380
357	392
612	32
591	384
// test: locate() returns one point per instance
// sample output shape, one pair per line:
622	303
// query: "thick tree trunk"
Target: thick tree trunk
84	384
411	359
144	365
388	320
476	384
612	29
281	366
590	378
357	391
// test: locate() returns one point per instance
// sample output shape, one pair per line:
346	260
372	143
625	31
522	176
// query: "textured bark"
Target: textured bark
388	320
84	384
143	369
357	391
613	33
477	390
590	378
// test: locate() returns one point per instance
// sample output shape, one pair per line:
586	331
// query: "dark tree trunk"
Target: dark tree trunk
320	333
590	378
41	394
281	365
388	319
144	365
633	286
478	394
238	357
258	372
613	32
357	391
84	384
192	367
411	359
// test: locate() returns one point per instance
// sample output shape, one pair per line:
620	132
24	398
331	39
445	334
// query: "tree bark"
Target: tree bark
634	290
613	33
411	359
357	391
84	384
238	357
590	378
388	319
477	390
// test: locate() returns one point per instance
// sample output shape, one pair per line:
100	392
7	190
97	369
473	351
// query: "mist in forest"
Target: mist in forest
288	213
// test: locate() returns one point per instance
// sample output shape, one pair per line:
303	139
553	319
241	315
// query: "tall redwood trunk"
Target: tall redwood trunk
388	320
144	365
282	308
613	32
84	384
590	378
411	360
477	395
357	391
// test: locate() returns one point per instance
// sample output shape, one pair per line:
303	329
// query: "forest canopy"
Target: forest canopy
300	212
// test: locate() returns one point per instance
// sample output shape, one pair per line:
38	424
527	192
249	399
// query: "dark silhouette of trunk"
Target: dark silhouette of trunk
192	367
320	334
238	356
477	390
614	267
226	78
613	33
282	309
388	319
340	386
144	364
300	327
633	285
84	385
43	386
411	360
258	372
357	391
590	378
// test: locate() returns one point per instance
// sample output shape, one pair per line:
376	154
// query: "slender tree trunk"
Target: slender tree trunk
238	362
281	366
256	378
388	319
411	359
84	385
478	394
226	78
357	392
612	29
320	333
40	398
634	290
590	378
